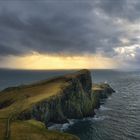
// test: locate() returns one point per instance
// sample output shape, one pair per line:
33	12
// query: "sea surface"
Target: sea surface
119	115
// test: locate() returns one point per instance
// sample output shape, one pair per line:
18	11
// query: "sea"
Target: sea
118	118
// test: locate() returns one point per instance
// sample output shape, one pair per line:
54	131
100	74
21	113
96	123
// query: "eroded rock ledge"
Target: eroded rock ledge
77	98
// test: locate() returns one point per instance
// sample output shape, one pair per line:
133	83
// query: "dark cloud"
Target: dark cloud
125	9
52	28
72	27
5	50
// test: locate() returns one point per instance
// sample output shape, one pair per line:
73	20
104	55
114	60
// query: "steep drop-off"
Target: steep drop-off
76	99
54	100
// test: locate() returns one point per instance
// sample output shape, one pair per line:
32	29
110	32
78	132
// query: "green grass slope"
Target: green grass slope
14	100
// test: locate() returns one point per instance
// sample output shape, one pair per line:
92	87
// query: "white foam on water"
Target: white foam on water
54	127
99	118
103	108
125	96
96	118
64	126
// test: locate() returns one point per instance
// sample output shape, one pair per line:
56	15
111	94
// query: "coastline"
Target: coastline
71	88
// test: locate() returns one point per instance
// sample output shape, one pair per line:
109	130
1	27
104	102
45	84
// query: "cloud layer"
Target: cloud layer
70	27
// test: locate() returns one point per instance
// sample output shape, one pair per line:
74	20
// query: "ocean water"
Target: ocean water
119	115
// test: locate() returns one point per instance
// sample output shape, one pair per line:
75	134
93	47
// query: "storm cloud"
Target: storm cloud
68	27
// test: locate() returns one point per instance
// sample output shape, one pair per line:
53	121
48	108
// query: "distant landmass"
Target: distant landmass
27	110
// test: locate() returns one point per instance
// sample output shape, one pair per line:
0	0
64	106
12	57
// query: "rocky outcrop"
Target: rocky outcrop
102	89
76	99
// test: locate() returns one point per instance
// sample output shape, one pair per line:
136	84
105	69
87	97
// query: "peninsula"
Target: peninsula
27	110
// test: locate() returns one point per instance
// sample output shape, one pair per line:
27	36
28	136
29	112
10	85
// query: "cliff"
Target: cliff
54	100
102	89
74	100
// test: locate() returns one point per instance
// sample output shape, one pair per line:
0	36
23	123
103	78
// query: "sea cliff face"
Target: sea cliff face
77	99
25	109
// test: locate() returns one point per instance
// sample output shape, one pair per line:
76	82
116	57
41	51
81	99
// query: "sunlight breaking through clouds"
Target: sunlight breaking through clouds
106	28
128	51
42	61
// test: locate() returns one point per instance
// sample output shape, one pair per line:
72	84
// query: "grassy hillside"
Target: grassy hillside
63	97
17	99
31	130
34	130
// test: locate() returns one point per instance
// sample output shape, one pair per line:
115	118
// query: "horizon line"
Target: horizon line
116	69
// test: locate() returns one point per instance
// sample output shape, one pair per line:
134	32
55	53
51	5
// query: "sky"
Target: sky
70	34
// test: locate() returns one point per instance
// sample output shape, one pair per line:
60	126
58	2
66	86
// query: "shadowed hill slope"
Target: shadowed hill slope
54	100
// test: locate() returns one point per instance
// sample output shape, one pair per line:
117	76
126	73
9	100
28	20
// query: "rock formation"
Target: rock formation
75	100
56	100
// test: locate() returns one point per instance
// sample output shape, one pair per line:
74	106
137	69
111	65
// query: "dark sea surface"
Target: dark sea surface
117	119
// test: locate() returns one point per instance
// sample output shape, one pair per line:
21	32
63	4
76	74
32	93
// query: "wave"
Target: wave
103	108
62	127
96	118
